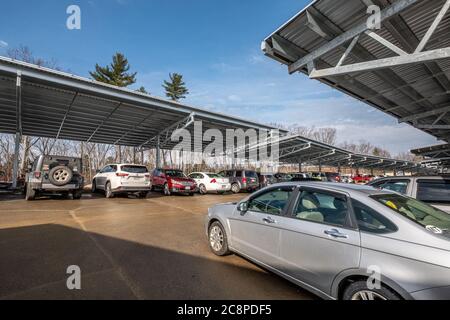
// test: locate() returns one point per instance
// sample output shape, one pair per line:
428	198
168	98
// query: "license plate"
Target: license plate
188	188
224	186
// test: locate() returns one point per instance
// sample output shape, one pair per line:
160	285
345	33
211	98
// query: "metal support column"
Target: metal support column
16	160
300	166
320	165
158	152
18	129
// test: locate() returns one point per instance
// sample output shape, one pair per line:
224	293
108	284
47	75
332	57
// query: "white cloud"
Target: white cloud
3	44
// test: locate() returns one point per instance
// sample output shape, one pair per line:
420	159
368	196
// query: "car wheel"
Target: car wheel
360	291
235	188
108	191
60	176
166	190
202	189
77	195
30	194
143	195
94	187
218	241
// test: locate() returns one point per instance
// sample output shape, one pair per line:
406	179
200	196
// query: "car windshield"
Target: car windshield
432	219
214	175
175	174
134	169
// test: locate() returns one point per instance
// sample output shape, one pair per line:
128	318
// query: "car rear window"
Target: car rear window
175	174
214	175
134	169
434	220
434	191
251	174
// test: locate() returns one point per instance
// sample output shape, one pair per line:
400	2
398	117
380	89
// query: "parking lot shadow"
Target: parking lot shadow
34	261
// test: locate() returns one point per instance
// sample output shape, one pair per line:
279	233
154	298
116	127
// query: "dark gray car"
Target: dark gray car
340	241
242	180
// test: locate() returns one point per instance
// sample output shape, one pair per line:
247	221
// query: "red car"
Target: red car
362	179
173	181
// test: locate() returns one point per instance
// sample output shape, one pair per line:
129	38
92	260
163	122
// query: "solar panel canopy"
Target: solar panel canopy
400	65
41	102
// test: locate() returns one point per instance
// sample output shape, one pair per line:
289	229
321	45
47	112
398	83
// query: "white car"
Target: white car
211	182
122	178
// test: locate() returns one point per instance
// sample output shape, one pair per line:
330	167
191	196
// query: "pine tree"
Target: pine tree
175	88
142	90
116	73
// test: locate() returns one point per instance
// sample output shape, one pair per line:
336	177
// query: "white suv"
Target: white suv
122	178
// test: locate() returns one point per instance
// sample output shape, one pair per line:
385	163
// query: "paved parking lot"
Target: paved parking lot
127	248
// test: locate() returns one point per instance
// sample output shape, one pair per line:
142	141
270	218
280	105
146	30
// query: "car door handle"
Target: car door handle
269	220
335	233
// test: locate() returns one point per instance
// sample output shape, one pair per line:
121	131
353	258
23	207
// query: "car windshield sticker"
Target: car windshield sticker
434	229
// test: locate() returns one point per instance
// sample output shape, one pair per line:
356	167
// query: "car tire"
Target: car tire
202	189
60	176
108	191
166	190
217	239
30	194
94	186
235	188
143	195
76	195
191	194
360	291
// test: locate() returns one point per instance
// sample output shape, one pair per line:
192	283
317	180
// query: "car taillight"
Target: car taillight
37	175
244	180
122	175
213	181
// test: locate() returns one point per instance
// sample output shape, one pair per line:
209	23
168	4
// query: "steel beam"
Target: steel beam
166	134
286	152
158	152
104	121
19	129
386	43
422	115
66	115
387	13
414	58
433	126
433	27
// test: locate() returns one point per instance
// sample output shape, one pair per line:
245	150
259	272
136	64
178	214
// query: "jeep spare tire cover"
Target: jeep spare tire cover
60	175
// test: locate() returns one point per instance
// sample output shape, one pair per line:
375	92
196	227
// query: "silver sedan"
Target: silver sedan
339	241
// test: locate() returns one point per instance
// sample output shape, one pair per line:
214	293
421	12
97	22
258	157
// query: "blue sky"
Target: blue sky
215	44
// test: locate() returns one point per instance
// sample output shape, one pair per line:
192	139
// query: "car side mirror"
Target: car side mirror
97	171
243	207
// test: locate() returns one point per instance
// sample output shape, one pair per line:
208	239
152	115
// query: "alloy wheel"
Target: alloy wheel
368	295
216	238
